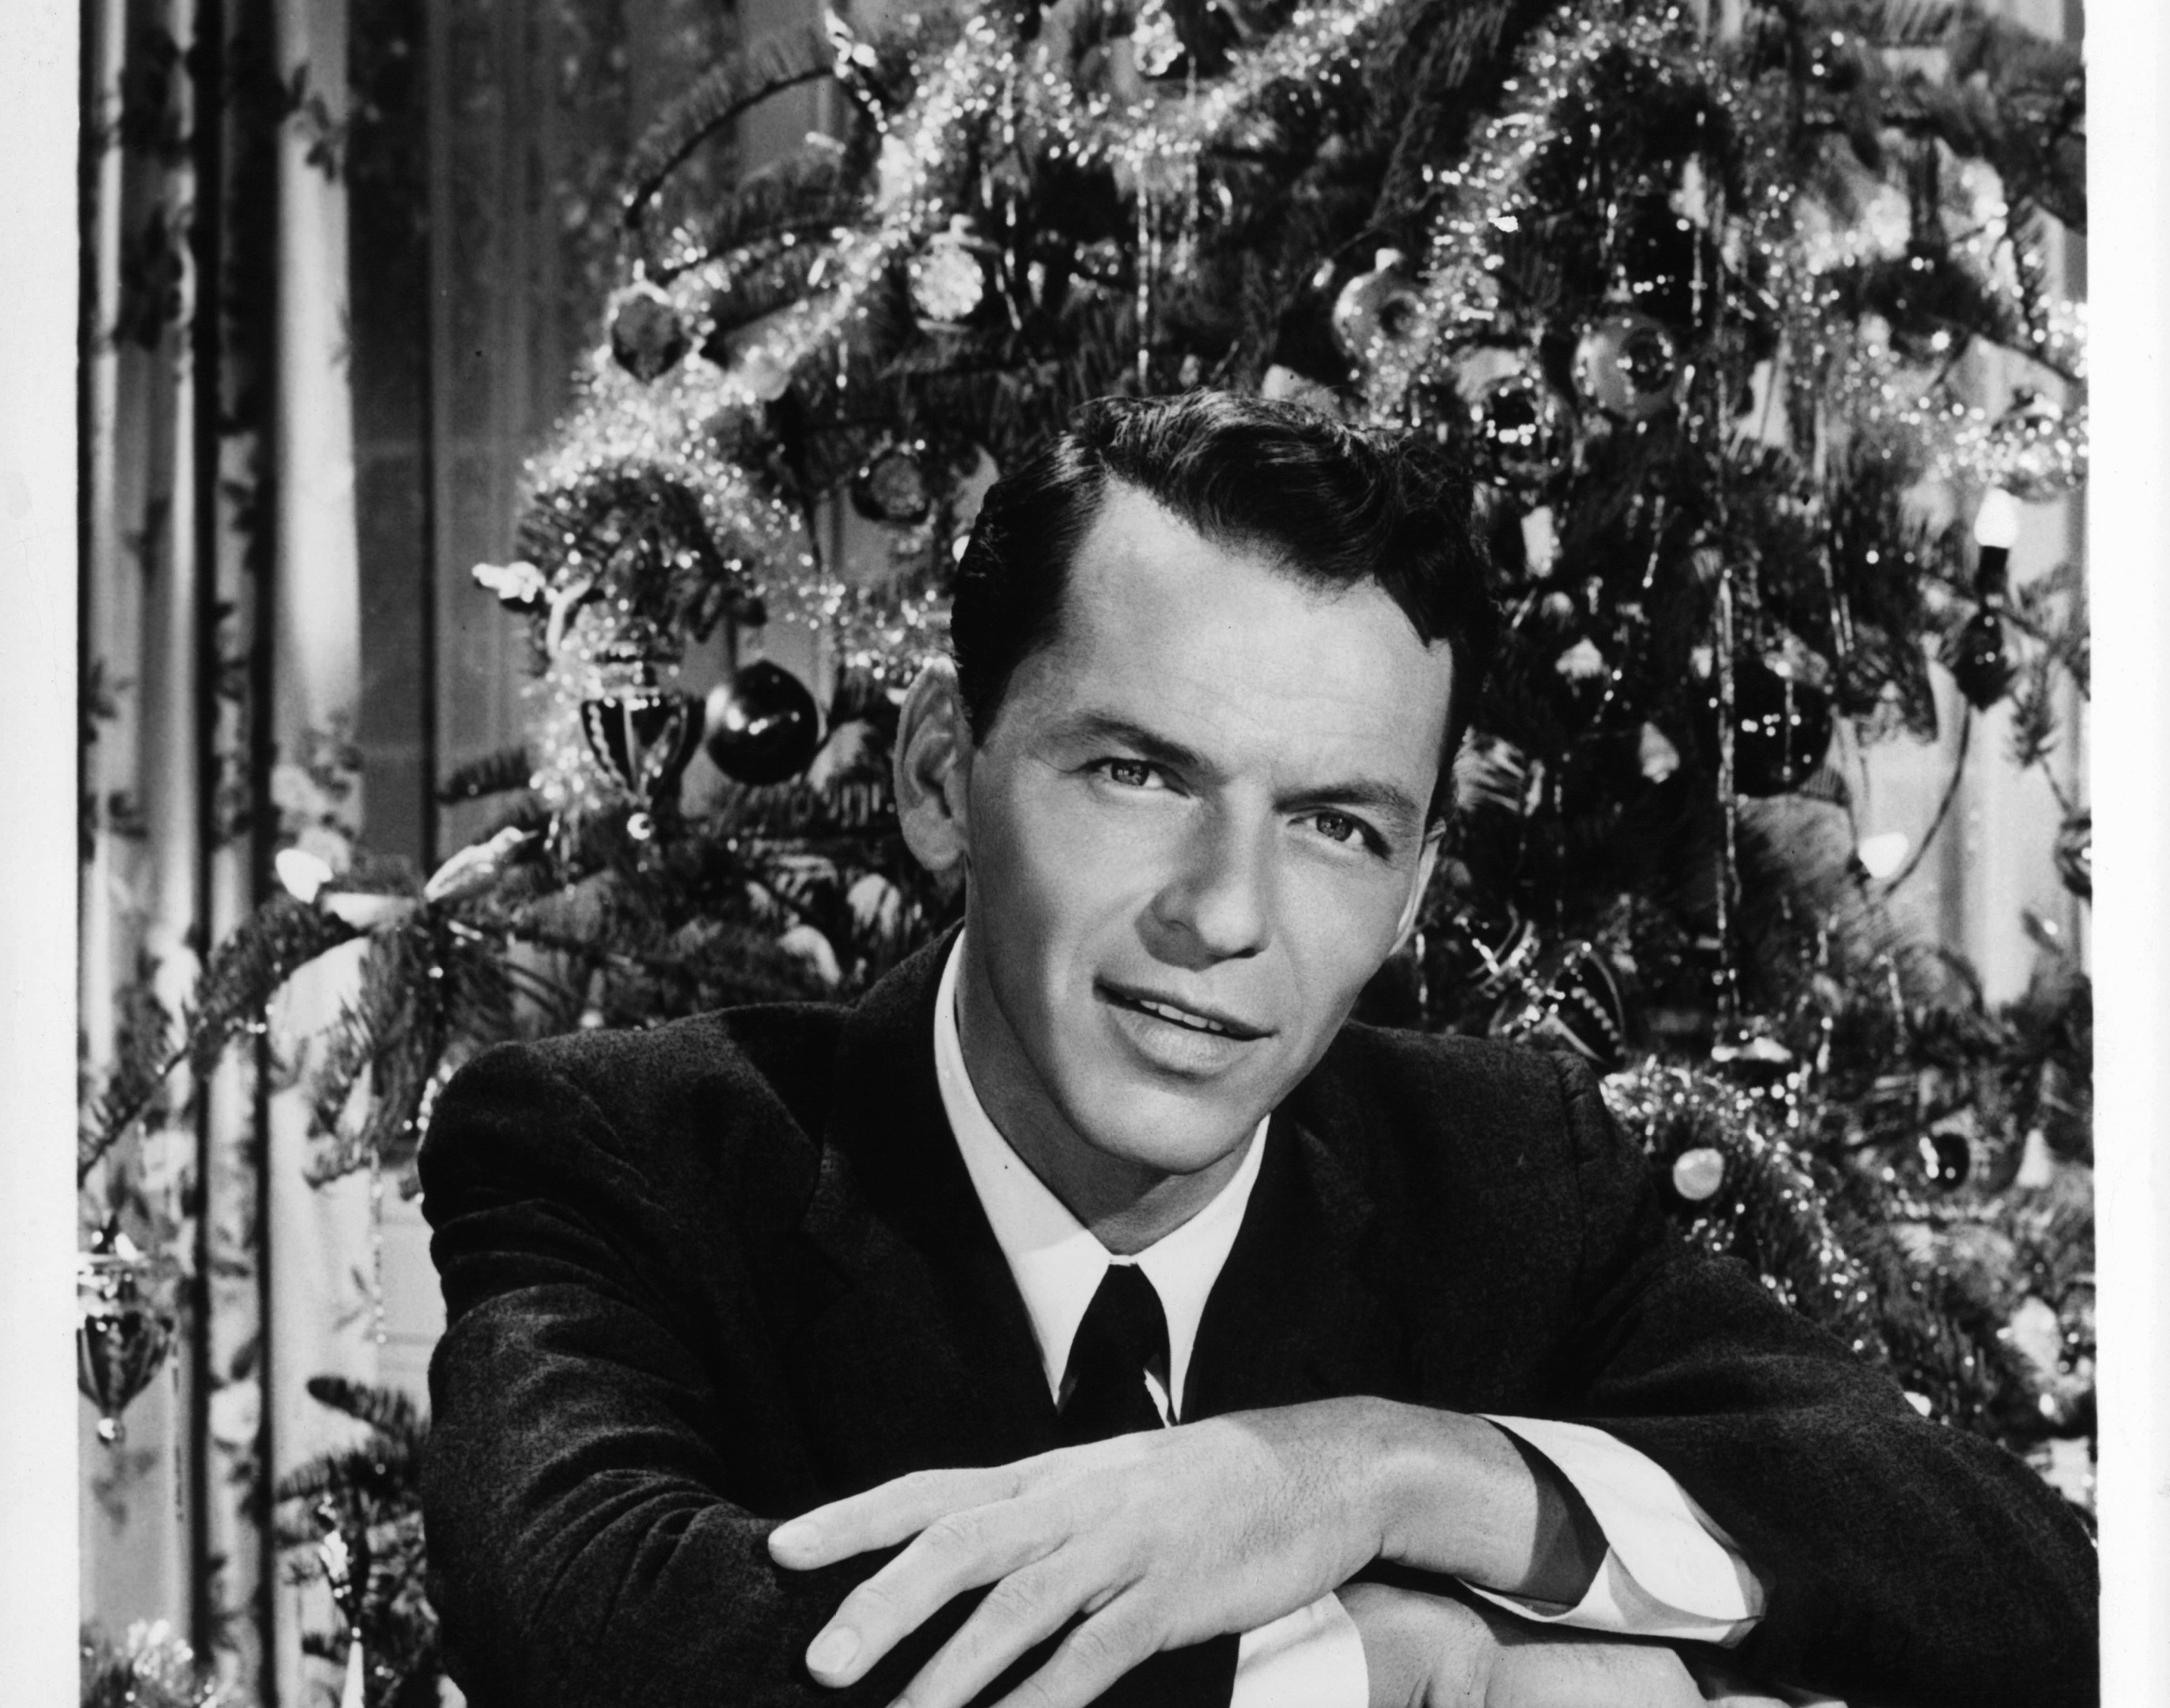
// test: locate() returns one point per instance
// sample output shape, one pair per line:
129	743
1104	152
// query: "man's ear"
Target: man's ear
933	765
1427	863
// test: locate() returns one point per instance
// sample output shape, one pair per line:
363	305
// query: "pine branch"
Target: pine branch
773	64
503	772
391	1413
2033	712
238	982
762	283
1909	23
805	195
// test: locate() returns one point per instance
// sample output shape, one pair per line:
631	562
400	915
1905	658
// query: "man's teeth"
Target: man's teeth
1182	1016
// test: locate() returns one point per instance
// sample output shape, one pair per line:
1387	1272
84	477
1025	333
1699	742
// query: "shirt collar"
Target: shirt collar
1056	1260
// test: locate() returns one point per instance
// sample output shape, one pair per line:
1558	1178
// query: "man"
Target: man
1109	1318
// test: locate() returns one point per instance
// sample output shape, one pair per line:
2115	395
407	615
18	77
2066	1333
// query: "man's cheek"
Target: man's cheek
1336	931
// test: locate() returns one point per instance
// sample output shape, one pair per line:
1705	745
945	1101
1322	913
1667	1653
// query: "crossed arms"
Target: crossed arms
1155	1541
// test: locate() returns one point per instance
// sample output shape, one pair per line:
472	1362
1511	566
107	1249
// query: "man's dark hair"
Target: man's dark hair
1334	506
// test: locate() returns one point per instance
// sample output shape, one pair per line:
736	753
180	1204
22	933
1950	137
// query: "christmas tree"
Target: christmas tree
1699	295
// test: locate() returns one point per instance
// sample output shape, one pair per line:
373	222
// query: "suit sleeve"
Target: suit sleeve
1907	1563
585	1546
582	1547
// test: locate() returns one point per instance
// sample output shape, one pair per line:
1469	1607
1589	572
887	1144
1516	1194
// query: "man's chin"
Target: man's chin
1168	1130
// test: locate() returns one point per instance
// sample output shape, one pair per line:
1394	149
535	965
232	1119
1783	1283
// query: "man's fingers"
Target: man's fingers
1029	1604
957	1551
886	1515
1090	1659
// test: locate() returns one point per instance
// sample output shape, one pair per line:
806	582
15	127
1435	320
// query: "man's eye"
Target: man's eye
1132	773
1339	827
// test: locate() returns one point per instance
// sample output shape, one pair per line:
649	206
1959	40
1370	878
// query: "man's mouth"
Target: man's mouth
1211	1021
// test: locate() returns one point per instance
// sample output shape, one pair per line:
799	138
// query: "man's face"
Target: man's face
1196	829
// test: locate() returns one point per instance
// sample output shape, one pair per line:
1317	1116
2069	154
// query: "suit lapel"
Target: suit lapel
1298	1313
926	1356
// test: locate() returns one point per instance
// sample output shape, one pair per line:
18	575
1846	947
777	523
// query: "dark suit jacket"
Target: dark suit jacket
702	1277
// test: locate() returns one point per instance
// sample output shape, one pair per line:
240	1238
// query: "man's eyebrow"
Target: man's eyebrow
1123	732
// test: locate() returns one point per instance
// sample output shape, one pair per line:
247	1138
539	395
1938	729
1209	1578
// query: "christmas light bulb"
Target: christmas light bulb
1880	856
1540	541
1996	523
302	872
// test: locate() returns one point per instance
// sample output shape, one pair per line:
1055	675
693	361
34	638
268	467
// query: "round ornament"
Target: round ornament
765	374
1582	1007
1980	664
644	735
1378	312
892	485
763	726
1521	428
1782	727
1629	366
2033	453
949	278
2074	851
647	337
122	1335
1698	1174
1947	1158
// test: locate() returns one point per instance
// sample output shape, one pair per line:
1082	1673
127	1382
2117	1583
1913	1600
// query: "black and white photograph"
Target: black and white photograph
1022	853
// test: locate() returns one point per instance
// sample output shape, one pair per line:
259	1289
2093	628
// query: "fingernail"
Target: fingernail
796	1537
832	1650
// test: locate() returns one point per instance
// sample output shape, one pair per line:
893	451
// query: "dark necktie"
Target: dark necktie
1123	1335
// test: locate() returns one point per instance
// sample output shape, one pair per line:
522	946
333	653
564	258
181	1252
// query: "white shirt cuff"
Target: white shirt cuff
1311	1658
1669	1570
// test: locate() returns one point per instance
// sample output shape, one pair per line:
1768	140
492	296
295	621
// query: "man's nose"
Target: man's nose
1219	905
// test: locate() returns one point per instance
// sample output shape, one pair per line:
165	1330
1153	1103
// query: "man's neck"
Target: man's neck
1127	1205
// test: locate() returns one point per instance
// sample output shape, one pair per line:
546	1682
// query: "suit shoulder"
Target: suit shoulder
784	1045
1403	1064
1484	1102
650	1097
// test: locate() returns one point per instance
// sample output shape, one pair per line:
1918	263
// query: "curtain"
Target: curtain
219	671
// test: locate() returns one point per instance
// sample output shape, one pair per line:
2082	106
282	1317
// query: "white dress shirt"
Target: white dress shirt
1668	1572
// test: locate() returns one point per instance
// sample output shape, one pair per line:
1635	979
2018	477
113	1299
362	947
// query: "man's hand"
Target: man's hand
1424	1651
1160	1540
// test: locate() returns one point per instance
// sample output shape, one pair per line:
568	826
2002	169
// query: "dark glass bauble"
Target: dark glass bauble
1520	429
123	1328
1629	366
763	726
1980	662
643	734
893	484
1782	727
1380	313
647	336
1947	1158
